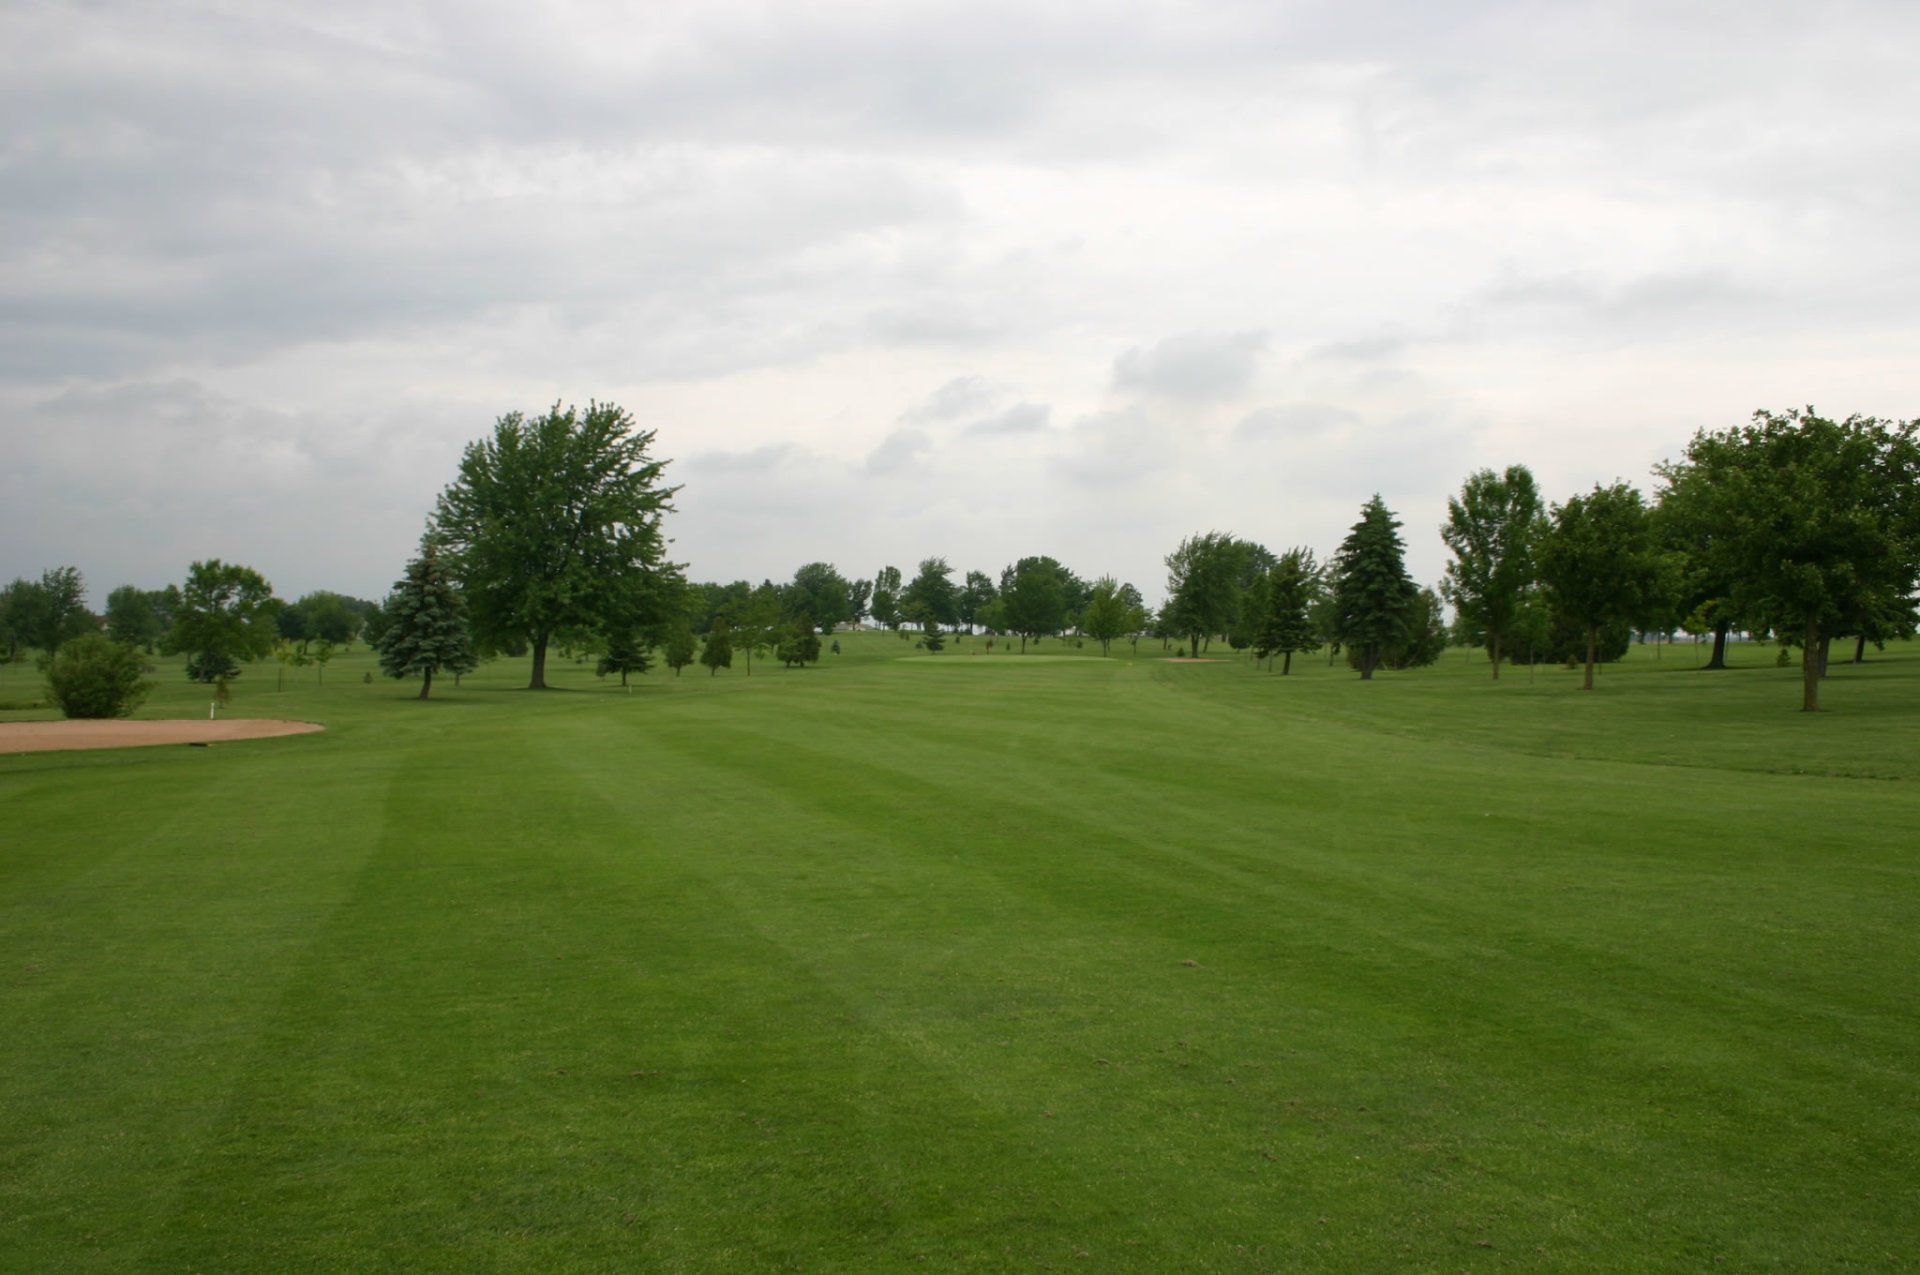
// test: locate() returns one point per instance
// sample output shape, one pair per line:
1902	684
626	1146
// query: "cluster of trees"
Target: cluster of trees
1034	598
221	616
1794	525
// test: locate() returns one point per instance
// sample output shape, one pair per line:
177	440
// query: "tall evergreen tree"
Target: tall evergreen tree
1373	597
1491	528
426	630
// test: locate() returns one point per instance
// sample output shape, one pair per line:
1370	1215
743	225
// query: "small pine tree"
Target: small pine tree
625	654
718	651
427	624
1373	595
934	640
679	648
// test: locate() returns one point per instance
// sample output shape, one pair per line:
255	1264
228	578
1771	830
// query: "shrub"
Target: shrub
93	677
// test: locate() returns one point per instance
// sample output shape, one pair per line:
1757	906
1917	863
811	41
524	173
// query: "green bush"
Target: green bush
92	677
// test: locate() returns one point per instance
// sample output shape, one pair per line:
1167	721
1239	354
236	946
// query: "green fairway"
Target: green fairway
974	961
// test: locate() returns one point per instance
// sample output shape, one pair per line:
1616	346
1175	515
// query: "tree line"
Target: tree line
1794	525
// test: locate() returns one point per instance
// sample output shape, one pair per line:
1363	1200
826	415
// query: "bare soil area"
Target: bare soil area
44	737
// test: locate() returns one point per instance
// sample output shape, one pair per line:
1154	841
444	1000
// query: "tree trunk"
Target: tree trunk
1810	669
1860	649
1023	644
623	677
1719	657
1366	663
426	683
1826	648
1286	665
1593	650
1193	649
1496	655
539	682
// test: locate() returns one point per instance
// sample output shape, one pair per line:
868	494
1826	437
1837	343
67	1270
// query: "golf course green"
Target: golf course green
977	961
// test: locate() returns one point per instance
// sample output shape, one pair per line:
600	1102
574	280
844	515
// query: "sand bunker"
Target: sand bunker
44	737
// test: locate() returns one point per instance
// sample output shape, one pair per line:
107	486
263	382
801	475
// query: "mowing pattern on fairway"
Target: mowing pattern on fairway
992	962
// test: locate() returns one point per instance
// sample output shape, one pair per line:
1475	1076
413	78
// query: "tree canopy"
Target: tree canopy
1598	561
1491	527
1203	586
553	524
1819	519
227	614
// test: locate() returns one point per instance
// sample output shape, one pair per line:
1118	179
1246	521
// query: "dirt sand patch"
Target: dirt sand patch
45	737
1188	659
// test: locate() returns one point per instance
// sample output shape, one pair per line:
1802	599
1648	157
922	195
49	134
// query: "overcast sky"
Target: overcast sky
891	280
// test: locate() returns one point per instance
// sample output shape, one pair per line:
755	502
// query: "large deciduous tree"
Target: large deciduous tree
46	613
885	606
1033	598
553	524
227	613
1373	597
1599	562
1108	615
427	630
931	599
821	596
1203	587
1286	627
1822	524
1691	519
1491	527
976	598
134	616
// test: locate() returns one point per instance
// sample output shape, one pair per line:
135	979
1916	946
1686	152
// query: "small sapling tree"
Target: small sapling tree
625	653
679	647
717	652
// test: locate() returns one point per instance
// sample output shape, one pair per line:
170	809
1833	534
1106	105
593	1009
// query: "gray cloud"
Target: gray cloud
958	397
1021	418
1199	367
897	451
263	270
1294	421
